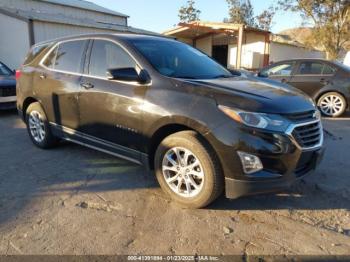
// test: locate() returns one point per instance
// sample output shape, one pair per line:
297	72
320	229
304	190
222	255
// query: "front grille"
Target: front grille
7	91
302	117
308	135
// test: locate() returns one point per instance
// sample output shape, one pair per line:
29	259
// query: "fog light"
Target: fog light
251	164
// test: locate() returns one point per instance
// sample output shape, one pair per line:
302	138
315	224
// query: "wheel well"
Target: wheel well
27	102
159	136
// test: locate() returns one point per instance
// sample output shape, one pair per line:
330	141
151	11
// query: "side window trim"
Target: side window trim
87	59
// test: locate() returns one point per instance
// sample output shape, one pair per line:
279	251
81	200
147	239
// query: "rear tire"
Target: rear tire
38	127
188	170
332	104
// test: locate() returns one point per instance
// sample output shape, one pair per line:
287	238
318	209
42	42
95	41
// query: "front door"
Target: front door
57	83
110	111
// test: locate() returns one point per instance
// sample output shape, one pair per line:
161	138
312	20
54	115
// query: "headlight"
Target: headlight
258	120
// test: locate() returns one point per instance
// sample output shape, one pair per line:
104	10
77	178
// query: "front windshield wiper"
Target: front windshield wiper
223	76
185	77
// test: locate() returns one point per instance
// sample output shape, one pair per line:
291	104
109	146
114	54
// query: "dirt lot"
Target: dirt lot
73	200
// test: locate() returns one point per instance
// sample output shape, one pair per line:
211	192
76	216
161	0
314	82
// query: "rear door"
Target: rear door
110	110
281	72
57	82
311	76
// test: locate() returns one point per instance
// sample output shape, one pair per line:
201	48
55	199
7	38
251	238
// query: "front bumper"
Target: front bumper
8	102
284	160
237	188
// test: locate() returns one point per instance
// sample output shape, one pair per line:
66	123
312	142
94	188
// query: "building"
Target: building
240	46
26	22
232	45
283	47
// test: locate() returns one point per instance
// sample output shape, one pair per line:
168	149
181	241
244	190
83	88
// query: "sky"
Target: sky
160	15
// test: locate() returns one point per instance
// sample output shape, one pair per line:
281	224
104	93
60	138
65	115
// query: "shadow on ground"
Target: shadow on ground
30	173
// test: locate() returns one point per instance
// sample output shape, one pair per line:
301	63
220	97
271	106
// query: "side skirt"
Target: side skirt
99	145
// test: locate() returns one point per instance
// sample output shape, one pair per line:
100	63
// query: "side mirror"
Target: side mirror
262	74
128	75
235	72
14	71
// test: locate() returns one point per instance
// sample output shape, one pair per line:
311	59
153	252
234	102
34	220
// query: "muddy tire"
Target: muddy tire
38	127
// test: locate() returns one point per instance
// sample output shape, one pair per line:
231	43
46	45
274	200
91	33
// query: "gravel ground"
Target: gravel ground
73	200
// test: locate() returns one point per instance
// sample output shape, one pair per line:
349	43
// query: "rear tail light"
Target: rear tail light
18	74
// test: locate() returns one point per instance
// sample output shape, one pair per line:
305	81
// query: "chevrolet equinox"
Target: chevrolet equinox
161	103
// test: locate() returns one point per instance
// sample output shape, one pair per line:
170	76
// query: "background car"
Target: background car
328	83
7	88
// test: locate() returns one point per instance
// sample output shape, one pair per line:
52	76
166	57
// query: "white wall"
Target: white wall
44	31
279	52
252	51
205	45
14	41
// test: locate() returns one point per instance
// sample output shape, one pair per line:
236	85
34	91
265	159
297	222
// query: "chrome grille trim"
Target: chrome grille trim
291	132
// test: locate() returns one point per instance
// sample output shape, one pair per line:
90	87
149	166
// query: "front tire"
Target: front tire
332	104
38	127
188	170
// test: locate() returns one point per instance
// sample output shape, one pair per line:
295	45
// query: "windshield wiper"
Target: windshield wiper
185	77
223	76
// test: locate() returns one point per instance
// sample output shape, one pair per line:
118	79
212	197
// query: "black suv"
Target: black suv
164	104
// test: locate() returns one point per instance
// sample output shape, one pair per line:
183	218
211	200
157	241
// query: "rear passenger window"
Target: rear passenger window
311	68
107	55
34	52
328	70
50	60
69	56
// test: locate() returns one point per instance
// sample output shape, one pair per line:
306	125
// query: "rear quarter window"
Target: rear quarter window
33	53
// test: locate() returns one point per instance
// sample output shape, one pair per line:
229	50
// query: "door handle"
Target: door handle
42	76
324	81
87	85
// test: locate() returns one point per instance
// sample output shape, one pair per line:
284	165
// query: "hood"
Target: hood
7	80
254	95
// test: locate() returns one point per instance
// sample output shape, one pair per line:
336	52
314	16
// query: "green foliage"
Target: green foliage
330	20
242	12
189	13
264	20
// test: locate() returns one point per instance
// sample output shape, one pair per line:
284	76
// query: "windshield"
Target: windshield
176	59
4	70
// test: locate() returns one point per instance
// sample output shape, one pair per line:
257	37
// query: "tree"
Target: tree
330	20
264	20
241	12
189	13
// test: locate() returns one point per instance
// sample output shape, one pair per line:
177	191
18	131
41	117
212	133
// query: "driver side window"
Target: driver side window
107	55
284	69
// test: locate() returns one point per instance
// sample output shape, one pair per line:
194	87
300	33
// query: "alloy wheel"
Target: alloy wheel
331	105
183	172
37	126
